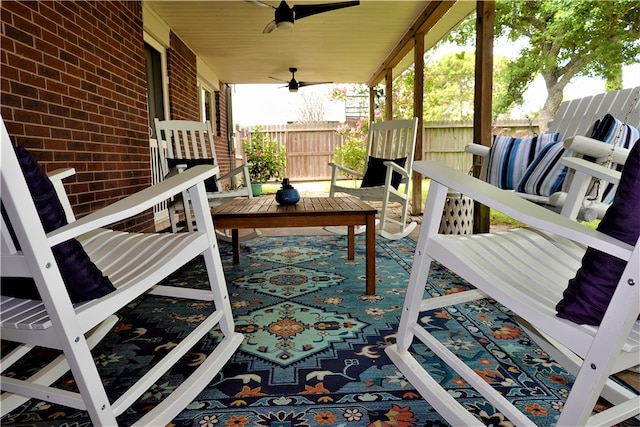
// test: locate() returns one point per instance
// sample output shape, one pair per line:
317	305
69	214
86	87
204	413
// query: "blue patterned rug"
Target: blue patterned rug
314	348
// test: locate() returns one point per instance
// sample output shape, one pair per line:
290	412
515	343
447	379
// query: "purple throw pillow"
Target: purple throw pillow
84	281
588	295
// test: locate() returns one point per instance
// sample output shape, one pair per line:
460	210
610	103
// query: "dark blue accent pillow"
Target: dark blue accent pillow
83	279
377	171
209	183
615	132
586	298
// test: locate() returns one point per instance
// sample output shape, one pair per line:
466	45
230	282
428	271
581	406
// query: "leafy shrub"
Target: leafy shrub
267	157
353	150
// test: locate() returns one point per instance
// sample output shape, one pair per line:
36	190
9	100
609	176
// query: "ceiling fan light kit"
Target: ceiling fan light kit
284	16
285	25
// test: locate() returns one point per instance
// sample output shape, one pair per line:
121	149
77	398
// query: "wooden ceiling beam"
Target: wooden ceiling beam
431	14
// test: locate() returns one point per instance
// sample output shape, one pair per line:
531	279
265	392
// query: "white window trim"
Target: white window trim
213	106
162	49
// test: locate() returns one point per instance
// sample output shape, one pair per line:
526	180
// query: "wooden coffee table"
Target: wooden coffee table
264	212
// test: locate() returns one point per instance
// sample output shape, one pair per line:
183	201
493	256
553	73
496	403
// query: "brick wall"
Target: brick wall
184	101
183	81
73	91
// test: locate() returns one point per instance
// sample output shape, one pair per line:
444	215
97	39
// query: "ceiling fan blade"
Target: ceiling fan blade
259	3
302	84
304	10
280	80
270	27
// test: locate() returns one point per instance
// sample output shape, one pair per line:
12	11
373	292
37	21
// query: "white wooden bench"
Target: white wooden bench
574	122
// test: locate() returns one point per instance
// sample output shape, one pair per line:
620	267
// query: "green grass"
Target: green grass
498	218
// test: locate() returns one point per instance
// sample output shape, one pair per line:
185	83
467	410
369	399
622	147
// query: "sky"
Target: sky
274	104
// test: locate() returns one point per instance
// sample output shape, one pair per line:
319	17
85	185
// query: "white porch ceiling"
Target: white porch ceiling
343	46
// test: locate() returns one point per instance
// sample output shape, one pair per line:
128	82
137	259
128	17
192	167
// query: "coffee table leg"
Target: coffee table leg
371	255
351	246
235	241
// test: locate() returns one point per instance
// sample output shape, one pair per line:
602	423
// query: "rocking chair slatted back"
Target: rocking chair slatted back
392	140
183	139
189	141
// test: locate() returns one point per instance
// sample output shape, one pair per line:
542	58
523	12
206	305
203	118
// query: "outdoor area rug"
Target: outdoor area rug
314	348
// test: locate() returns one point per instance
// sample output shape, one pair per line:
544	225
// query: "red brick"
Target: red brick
88	69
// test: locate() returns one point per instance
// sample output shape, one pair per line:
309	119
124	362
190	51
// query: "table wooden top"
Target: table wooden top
307	205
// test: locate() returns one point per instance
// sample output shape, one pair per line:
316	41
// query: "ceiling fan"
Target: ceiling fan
285	15
293	84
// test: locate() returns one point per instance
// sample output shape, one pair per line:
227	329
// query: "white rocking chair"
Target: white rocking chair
134	264
390	152
184	143
526	270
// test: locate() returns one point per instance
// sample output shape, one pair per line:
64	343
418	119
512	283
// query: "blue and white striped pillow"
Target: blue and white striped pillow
614	131
510	157
546	174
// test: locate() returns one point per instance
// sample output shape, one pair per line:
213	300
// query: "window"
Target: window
208	109
206	104
155	87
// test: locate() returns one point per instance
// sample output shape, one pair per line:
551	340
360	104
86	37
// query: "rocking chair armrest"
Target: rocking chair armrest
345	169
520	209
176	170
56	176
593	169
135	203
478	149
235	171
394	167
60	174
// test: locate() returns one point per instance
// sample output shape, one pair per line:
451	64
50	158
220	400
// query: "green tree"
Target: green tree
563	39
448	88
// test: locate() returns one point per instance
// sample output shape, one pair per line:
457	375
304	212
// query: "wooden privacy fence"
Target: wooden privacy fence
444	141
310	146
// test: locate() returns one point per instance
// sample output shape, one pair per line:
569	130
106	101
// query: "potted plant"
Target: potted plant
267	158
